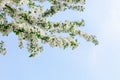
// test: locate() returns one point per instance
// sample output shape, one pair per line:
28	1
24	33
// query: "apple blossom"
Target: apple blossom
32	24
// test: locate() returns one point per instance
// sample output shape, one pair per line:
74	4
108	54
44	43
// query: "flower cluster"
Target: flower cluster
2	49
33	26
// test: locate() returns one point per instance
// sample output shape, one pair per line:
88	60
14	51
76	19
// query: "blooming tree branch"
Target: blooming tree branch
33	26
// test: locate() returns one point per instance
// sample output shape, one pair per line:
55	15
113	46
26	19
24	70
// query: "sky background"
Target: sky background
88	62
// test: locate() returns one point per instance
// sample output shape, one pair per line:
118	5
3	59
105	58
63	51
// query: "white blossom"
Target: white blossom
33	25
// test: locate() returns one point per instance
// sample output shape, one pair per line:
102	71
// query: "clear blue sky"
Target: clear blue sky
88	62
